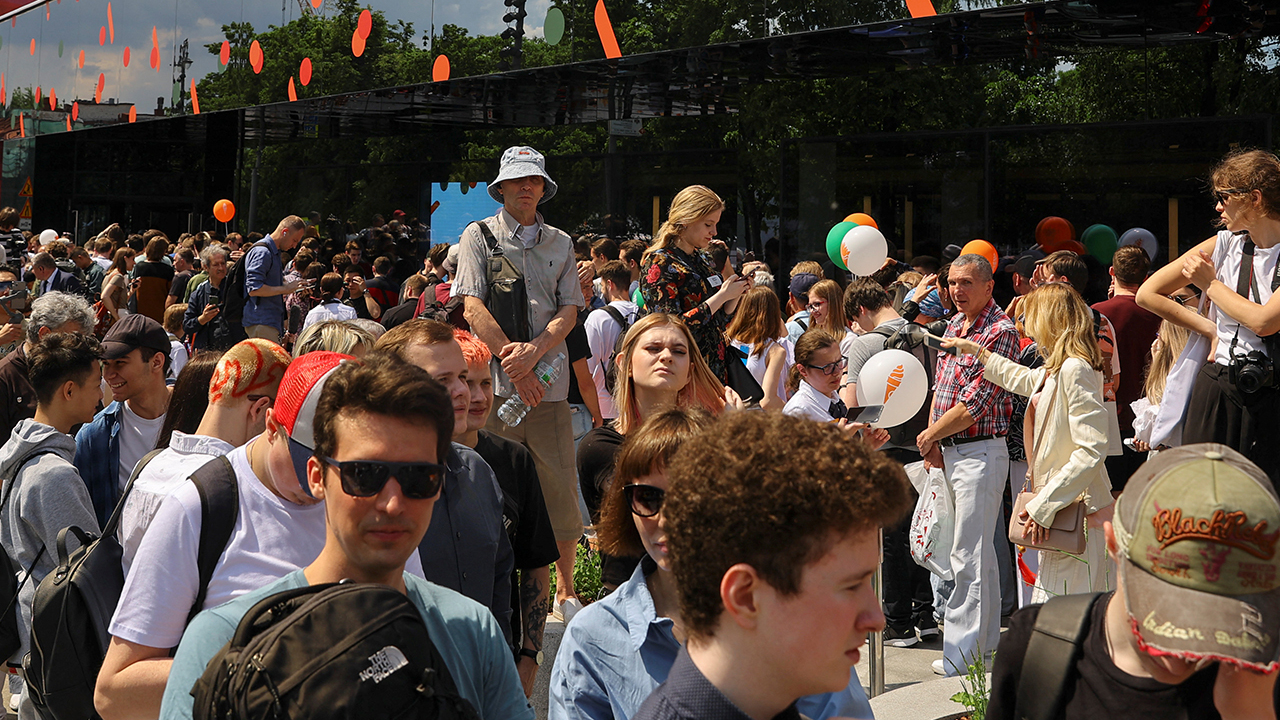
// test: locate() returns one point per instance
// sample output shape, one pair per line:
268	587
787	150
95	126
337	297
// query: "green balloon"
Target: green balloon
834	237
553	26
1101	242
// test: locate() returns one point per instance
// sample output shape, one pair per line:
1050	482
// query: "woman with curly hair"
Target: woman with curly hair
677	277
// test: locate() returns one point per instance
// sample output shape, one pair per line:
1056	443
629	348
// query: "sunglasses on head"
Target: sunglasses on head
644	500
366	478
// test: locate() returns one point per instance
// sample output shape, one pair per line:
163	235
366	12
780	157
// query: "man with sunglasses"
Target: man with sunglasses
279	528
466	548
376	513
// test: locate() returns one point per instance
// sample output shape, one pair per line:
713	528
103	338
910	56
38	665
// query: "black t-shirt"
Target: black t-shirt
154	269
400	314
524	512
576	342
178	288
1101	689
596	454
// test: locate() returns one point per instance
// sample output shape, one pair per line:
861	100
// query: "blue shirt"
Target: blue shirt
617	651
262	268
98	459
466	548
798	325
466	635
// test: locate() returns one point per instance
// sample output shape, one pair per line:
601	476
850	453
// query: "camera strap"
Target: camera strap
1244	281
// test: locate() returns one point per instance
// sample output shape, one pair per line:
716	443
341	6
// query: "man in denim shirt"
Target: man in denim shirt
264	283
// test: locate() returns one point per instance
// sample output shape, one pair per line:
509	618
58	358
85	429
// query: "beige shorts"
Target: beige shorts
547	431
265	332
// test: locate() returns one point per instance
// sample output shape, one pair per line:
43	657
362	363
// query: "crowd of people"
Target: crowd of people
255	416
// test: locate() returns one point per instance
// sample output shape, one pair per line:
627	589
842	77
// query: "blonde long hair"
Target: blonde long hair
703	389
1170	342
829	290
687	207
757	321
1062	326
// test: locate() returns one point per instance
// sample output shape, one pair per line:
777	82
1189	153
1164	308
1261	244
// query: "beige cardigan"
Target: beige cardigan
1070	442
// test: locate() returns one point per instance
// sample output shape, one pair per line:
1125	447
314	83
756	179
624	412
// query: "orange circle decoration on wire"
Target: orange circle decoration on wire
111	25
155	57
357	44
224	54
126	56
317	3
293	90
364	25
255	57
983	248
862	219
80	62
155	36
440	68
75	110
102	35
33	46
224	210
39	94
133	113
195	99
53	99
102	84
304	72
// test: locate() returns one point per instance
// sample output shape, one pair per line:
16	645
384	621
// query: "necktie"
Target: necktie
838	409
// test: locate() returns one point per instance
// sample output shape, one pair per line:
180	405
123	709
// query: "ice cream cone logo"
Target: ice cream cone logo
894	382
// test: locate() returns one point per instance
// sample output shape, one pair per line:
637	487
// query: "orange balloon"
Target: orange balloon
983	248
255	57
75	111
155	58
126	56
364	25
53	99
224	53
102	83
440	68
357	44
862	219
1052	232
304	71
224	210
102	35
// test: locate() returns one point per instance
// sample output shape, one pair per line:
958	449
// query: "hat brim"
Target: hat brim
115	350
1194	625
300	454
518	170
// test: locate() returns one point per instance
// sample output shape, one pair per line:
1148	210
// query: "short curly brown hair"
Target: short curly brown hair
774	492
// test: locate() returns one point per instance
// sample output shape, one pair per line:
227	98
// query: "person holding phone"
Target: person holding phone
676	277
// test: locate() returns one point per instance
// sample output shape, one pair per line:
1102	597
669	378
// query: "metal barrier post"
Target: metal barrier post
875	661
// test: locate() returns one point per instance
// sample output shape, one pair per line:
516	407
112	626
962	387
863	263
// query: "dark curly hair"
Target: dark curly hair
774	492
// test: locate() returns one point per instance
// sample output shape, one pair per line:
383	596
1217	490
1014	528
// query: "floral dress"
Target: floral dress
673	281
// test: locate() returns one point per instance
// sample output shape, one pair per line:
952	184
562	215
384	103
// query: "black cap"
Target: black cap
1025	265
134	331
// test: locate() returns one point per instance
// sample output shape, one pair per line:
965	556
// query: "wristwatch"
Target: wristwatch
535	654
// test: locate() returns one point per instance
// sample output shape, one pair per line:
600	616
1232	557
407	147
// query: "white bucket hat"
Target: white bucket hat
518	162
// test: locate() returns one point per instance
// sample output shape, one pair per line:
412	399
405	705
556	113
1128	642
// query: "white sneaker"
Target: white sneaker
567	609
939	667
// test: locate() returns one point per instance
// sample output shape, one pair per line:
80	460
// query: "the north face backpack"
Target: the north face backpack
337	650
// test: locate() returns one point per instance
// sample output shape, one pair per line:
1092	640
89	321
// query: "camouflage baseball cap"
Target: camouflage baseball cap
1197	528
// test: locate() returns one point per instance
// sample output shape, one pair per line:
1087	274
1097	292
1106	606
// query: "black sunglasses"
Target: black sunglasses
644	500
366	478
830	368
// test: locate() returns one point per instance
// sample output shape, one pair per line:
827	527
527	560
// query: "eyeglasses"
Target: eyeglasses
366	478
830	368
814	304
1223	195
644	500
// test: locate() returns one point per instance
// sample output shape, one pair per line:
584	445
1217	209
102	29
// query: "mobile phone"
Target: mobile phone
865	415
935	342
1128	442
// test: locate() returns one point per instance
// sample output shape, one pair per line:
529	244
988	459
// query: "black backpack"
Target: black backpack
1052	650
9	584
611	368
235	297
905	435
74	604
336	650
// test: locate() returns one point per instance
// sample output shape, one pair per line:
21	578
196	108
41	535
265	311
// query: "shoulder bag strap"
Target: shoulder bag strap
495	248
114	520
219	506
1052	650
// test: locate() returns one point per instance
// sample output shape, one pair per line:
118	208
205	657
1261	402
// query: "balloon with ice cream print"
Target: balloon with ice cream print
897	380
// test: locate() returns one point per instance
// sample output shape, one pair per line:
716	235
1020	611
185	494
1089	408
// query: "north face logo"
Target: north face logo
384	662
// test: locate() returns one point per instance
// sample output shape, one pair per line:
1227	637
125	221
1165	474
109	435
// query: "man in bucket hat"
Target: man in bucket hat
543	255
1192	629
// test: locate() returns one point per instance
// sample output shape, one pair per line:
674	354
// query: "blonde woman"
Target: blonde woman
1165	350
757	331
677	278
1070	446
116	288
826	312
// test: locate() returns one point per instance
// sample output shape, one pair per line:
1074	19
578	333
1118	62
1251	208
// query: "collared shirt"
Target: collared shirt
550	277
810	404
263	269
465	547
688	693
959	378
331	310
617	651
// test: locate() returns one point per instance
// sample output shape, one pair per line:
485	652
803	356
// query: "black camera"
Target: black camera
1252	371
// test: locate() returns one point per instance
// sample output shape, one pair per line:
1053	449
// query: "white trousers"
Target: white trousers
1031	558
977	473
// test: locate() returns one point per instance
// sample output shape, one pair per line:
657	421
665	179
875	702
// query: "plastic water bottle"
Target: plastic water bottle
513	410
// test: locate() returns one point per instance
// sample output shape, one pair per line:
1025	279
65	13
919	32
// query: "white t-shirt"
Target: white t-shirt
602	333
528	235
758	364
137	437
328	311
272	537
178	356
1226	258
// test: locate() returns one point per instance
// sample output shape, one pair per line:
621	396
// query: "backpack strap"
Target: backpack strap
3	501
616	314
1049	665
219	506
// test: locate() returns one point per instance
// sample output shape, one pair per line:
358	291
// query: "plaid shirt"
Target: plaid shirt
959	378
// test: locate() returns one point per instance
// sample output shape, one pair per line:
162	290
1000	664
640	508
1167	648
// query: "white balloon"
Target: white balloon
897	380
866	248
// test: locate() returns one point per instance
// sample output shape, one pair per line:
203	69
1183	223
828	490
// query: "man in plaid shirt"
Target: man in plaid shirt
965	437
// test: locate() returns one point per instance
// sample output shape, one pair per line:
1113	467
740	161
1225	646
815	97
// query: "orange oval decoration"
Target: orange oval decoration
22	124
317	3
111	25
155	58
68	124
81	62
126	56
53	99
293	91
304	72
102	35
155	37
255	57
133	114
38	95
33	46
357	44
75	110
102	83
605	30
224	55
195	99
364	25
440	69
